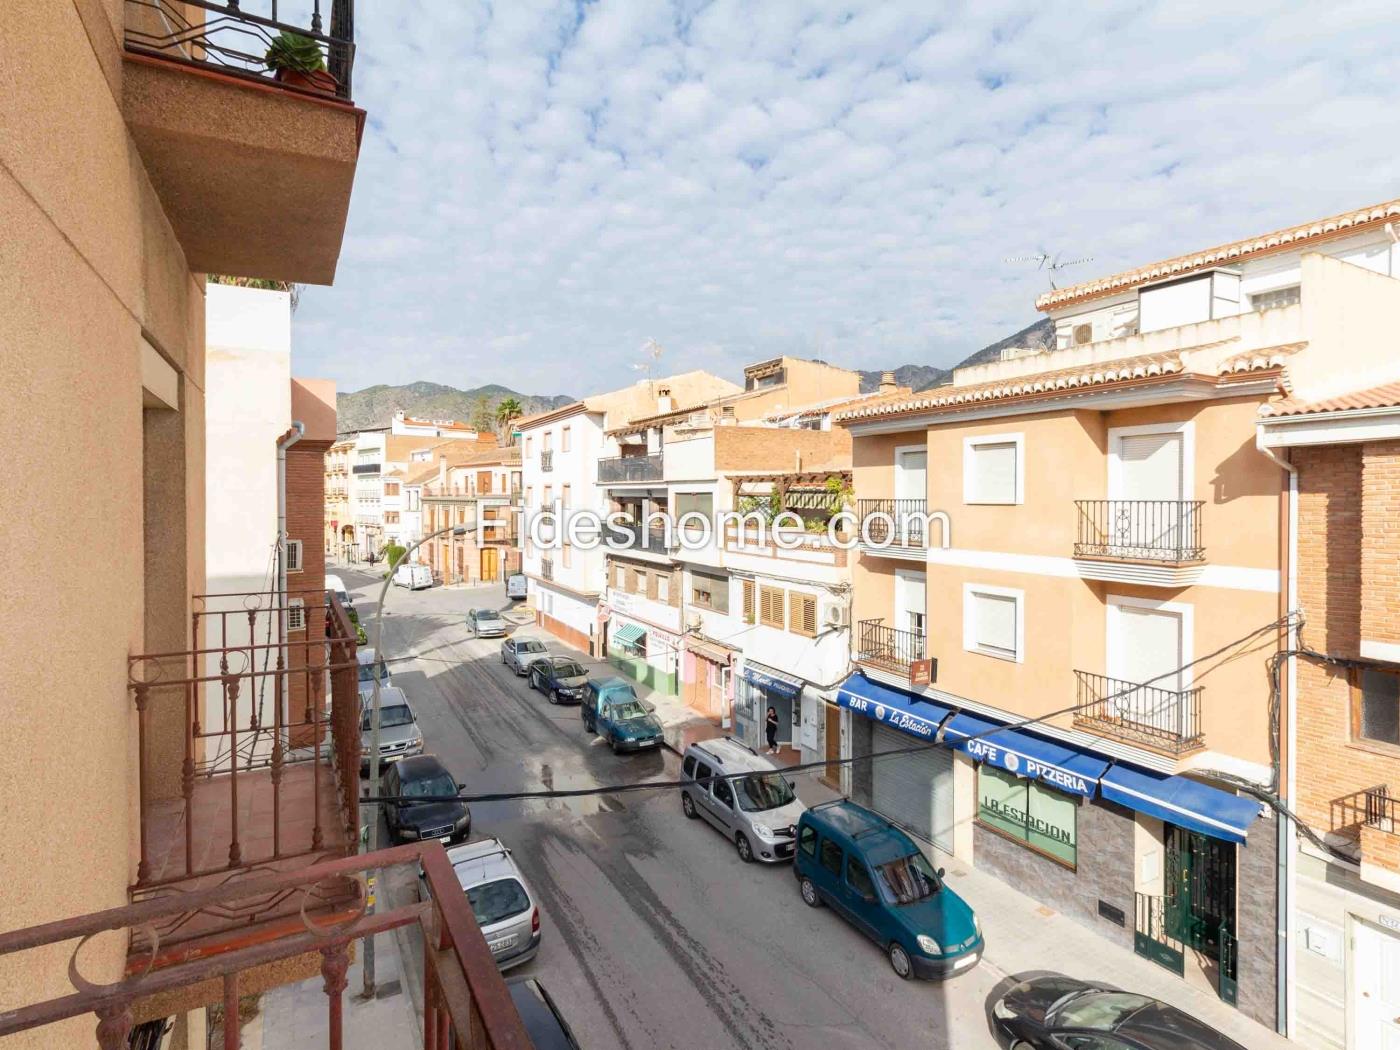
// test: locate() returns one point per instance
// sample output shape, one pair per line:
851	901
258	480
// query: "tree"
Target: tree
507	411
392	553
482	417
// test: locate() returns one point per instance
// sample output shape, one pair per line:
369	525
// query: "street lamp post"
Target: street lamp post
372	842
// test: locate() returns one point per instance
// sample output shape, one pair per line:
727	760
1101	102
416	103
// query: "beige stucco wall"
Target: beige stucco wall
87	262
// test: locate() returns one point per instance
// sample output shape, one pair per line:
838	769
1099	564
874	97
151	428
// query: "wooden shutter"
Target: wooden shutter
804	615
749	611
772	607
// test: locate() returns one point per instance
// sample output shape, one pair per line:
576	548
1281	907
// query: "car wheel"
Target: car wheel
900	962
554	696
687	805
613	744
741	843
810	897
589	727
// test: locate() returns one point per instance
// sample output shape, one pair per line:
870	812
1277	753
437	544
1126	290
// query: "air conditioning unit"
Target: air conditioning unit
836	615
1081	334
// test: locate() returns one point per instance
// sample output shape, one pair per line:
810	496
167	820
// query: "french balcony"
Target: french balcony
547	461
622	470
253	161
1150	542
1166	720
547	568
1366	829
887	648
466	1003
893	528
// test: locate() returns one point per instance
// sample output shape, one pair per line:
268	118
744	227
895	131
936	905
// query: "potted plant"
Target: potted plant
297	60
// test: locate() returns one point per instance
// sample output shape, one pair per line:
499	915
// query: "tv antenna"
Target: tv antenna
1051	264
653	351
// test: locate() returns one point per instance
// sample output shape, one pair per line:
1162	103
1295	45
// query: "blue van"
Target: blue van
871	872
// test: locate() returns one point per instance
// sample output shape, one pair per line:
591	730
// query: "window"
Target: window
391	488
529	445
993	469
547	439
294	555
709	591
688	765
772	607
858	875
567	555
694	503
620	577
1028	812
1273	299
750	602
724	794
639	582
831	857
565	496
703	773
391	517
804	614
992	621
663	588
564	439
807	840
1375	705
296	615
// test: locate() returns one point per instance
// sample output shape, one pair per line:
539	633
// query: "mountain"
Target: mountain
922	377
374	406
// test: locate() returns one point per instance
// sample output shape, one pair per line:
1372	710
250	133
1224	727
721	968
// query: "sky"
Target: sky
545	187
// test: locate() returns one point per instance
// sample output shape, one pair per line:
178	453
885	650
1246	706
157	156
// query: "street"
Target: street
655	933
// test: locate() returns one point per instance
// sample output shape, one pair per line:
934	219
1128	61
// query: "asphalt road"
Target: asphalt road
655	933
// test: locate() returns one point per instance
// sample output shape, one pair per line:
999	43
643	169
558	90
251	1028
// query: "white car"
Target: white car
519	653
336	585
368	665
500	897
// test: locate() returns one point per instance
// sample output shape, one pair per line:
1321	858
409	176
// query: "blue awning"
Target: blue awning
1181	801
1059	765
772	680
896	709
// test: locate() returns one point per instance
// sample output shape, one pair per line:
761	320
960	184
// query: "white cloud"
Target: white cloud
543	186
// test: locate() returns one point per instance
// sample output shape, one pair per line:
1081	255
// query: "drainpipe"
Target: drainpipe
1287	874
285	442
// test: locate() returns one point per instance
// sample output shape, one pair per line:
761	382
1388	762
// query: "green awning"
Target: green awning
628	634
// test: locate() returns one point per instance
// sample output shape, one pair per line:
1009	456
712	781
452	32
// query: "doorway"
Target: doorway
490	564
1375	987
831	773
1149	482
1200	902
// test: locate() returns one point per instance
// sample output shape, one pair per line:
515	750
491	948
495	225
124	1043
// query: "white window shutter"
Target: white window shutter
994	472
996	623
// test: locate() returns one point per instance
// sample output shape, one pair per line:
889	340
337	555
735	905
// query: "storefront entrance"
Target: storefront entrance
1199	909
912	786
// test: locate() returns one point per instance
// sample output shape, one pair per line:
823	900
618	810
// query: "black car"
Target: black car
1060	1013
440	815
560	678
546	1029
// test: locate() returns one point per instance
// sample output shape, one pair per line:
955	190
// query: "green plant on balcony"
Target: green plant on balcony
297	60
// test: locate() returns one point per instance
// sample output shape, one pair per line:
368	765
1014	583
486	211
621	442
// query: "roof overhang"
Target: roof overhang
1345	427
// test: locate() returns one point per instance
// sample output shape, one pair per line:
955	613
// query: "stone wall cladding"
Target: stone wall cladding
1256	922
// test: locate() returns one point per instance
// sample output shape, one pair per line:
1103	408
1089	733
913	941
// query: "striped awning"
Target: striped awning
628	634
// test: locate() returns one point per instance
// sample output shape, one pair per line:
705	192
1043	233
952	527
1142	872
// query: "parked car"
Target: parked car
335	585
874	876
485	623
611	709
1053	1012
399	735
413	575
439	814
560	678
519	653
500	897
757	812
544	1024
517	586
370	664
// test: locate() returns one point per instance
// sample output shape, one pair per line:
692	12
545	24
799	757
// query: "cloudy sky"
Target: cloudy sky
545	186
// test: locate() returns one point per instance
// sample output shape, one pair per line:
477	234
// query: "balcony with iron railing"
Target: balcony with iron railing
627	469
896	528
1163	719
1152	542
547	568
1366	829
546	461
638	537
887	648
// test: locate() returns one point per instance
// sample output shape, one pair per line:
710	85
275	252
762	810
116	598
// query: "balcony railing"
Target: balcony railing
888	648
365	468
1373	807
1166	719
637	536
1157	530
547	568
893	522
547	461
630	468
466	1004
233	40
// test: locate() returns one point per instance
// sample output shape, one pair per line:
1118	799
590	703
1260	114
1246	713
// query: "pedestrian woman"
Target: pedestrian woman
771	725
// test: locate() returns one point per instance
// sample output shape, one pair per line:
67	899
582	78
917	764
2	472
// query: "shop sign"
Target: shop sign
1026	810
773	685
921	672
890	716
983	750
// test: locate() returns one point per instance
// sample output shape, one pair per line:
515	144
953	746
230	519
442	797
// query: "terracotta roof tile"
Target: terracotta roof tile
1387	395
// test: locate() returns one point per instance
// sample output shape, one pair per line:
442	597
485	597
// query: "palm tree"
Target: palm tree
508	409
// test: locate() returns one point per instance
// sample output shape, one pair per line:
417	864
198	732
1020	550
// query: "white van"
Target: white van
413	575
336	585
516	586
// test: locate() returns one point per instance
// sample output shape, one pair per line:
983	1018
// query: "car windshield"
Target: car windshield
625	712
910	879
568	669
495	901
487	614
439	785
529	647
1102	1010
367	672
764	791
398	715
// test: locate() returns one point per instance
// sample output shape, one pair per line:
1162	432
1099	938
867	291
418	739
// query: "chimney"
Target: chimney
887	383
664	401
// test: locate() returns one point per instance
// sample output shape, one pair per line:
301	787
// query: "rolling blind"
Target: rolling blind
994	623
993	473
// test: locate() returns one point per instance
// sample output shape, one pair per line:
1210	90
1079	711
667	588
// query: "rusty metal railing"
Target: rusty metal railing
466	1003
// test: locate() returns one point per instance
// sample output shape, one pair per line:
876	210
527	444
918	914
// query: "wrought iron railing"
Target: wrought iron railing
887	648
547	568
893	522
365	468
1373	807
234	39
638	536
1166	719
466	1004
630	468
1139	530
547	461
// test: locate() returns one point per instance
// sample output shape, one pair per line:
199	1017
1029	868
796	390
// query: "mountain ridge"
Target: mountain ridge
374	406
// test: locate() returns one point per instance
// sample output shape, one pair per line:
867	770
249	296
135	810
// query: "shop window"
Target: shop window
831	857
1028	812
1375	705
804	614
772	607
807	840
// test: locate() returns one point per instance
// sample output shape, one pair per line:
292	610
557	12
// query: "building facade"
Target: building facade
482	489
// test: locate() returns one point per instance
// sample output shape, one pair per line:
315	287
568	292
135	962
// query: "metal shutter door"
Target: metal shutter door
914	789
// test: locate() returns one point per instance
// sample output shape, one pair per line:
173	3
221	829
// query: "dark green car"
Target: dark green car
611	709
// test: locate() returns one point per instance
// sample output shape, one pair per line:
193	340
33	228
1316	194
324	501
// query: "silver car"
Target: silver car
368	666
519	653
399	735
757	812
486	623
505	907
